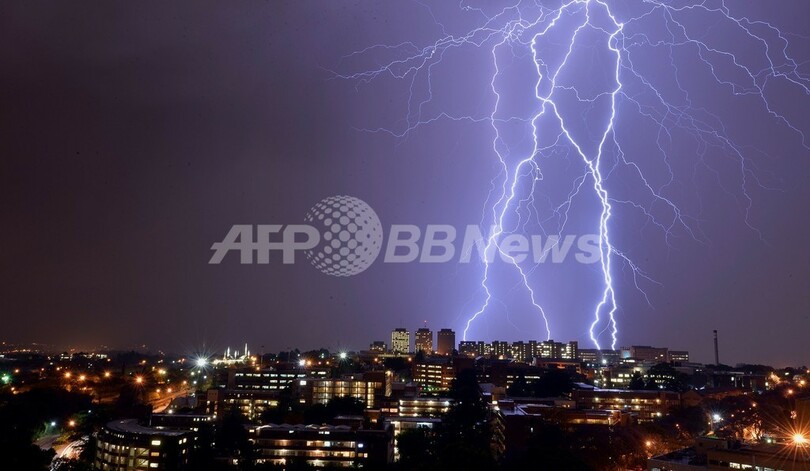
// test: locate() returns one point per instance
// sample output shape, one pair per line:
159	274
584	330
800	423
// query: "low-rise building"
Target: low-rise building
716	454
647	405
126	445
323	446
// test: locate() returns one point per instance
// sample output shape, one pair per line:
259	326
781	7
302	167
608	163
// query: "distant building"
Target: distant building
647	405
424	340
679	356
323	446
520	350
125	445
446	341
400	341
501	349
474	348
646	353
378	346
594	358
552	349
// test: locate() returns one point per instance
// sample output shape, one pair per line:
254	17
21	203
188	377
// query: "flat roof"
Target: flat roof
132	426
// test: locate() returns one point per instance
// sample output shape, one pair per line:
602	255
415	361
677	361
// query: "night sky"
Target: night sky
134	134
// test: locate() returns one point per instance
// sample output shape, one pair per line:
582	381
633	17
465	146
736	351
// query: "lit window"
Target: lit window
155	442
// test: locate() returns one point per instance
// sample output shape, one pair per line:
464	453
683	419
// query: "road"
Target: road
161	403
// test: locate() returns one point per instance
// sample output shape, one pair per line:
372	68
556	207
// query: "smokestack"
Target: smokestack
716	350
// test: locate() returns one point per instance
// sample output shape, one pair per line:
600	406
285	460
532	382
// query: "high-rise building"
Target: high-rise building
446	341
400	341
378	346
424	340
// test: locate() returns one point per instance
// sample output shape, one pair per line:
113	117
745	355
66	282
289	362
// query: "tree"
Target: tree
636	382
417	448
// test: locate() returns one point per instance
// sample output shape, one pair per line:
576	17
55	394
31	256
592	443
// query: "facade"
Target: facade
400	341
647	405
423	340
323	446
378	346
424	407
125	445
474	348
434	373
501	349
679	356
251	403
368	388
646	353
552	349
521	351
594	358
445	341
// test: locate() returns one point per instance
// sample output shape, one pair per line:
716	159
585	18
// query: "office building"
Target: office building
434	373
322	446
646	353
594	358
679	356
400	341
125	445
369	388
647	405
424	340
445	342
378	346
474	349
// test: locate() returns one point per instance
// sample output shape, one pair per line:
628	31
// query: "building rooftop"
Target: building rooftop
132	426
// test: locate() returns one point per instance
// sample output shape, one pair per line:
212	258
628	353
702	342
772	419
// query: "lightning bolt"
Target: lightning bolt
667	29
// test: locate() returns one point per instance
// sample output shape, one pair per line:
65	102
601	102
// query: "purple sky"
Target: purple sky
133	135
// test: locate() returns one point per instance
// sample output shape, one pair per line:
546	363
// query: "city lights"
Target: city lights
201	362
800	439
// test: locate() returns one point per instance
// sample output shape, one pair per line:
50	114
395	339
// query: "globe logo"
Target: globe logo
351	235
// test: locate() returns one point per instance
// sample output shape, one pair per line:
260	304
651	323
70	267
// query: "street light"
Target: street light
800	439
